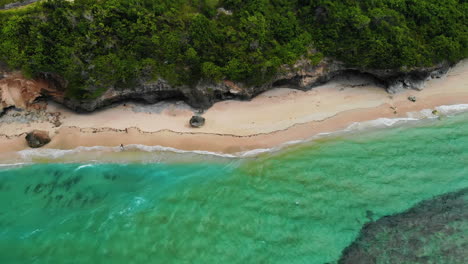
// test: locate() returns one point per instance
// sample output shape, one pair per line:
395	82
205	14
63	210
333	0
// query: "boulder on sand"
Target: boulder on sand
37	138
197	121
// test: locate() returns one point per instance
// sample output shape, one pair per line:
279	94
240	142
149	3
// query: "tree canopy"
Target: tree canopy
96	44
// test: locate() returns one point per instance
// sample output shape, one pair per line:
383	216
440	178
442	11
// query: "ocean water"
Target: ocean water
302	204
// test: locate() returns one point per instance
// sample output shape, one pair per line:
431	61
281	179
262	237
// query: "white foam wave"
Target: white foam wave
254	152
445	110
12	165
452	109
174	150
56	153
84	166
378	123
30	154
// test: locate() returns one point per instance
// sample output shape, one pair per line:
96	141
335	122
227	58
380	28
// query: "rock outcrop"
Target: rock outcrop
412	98
197	121
303	75
434	231
17	91
37	138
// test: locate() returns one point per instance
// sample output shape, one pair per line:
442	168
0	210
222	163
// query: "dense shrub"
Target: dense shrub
96	44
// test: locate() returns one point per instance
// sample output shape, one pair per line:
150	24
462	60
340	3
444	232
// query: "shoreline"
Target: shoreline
271	119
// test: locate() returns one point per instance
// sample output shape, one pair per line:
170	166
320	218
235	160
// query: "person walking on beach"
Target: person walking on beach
122	148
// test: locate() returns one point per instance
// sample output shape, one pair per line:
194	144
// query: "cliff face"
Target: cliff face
16	91
302	75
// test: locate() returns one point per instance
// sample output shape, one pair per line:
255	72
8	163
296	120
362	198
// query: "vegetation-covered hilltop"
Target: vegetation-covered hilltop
96	44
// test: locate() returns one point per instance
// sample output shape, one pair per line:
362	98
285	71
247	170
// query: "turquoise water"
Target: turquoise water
303	204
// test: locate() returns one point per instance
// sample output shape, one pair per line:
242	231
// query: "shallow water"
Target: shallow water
303	204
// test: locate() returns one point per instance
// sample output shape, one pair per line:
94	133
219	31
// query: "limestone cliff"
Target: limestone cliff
17	91
303	75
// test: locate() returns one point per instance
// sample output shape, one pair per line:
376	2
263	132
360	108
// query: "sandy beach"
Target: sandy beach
272	118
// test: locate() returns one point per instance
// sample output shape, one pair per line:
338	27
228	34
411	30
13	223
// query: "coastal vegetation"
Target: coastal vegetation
96	44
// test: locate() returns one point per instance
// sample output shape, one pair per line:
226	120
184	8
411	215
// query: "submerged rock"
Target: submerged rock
433	231
197	121
37	138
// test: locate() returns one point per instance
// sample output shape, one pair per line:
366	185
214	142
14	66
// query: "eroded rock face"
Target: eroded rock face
303	75
197	121
400	85
17	91
37	138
